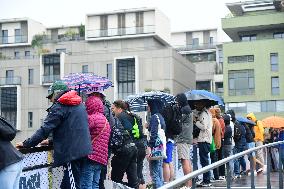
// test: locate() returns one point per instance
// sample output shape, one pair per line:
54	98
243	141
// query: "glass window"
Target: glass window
211	40
241	59
8	104
31	76
238	107
268	106
241	82
17	54
4	36
139	22
109	71
30	119
27	54
278	35
121	24
201	57
274	61
60	50
18	36
85	69
206	85
125	77
248	37
104	25
195	42
275	86
51	63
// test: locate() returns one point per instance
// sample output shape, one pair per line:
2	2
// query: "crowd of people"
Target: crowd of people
88	137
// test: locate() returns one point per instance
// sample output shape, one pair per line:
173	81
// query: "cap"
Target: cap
57	86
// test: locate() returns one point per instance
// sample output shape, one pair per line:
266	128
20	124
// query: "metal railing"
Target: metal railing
10	80
50	78
200	46
212	166
62	38
13	39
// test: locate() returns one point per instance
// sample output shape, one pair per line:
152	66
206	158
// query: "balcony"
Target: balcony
13	39
48	79
112	32
10	80
61	38
191	47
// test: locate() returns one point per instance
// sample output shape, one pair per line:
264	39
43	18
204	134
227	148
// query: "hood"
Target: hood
218	112
181	99
156	106
252	117
232	114
94	105
213	112
227	119
70	98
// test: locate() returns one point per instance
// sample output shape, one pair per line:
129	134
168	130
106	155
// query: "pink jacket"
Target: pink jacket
99	130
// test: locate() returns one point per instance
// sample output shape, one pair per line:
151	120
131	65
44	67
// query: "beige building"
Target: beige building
130	47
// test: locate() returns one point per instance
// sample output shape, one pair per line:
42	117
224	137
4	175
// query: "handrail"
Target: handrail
191	175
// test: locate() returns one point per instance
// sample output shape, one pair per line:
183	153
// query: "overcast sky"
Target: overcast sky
183	14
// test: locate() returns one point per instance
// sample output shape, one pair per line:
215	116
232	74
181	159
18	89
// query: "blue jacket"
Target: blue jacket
281	138
153	128
241	143
69	125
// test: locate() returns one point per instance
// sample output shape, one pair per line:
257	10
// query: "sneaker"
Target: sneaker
222	178
238	176
203	184
259	171
255	173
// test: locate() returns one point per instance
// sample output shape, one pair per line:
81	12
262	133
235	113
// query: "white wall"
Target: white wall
178	39
149	21
112	24
11	30
92	25
198	35
163	26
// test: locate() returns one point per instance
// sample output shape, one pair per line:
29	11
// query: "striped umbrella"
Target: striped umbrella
138	103
86	82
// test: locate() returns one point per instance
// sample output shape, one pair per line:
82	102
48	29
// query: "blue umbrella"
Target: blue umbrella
245	120
193	97
138	103
210	95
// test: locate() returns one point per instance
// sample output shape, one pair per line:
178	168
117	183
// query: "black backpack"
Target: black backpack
237	131
173	119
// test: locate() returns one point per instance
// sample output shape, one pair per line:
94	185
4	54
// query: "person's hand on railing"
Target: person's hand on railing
19	145
44	142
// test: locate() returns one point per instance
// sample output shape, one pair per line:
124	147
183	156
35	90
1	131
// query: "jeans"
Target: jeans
156	173
281	151
228	151
10	176
90	175
239	162
204	149
69	179
125	161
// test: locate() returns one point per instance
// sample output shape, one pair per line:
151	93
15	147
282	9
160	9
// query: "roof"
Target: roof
195	30
123	11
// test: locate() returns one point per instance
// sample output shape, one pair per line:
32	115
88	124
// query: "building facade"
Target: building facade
201	48
254	60
130	47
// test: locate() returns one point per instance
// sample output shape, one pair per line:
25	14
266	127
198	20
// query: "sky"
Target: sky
183	14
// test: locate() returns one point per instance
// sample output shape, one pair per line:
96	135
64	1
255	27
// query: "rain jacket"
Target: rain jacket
99	129
67	120
258	128
204	123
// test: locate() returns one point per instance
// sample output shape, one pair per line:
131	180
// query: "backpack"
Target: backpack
136	132
237	131
173	119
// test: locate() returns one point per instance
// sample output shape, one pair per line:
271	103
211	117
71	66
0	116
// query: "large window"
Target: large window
203	85
125	77
274	61
51	64
85	69
121	23
31	76
278	35
104	25
241	59
4	36
268	106
139	22
241	82
109	71
8	105
18	36
30	119
275	85
248	37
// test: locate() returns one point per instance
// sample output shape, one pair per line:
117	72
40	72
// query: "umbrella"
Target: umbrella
245	120
86	82
192	97
209	95
273	122
138	103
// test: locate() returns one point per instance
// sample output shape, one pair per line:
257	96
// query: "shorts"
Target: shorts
251	145
169	152
183	151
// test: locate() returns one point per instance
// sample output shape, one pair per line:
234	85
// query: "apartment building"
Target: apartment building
131	47
254	60
201	48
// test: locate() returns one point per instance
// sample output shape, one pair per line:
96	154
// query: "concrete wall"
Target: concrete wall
178	39
163	26
11	30
34	28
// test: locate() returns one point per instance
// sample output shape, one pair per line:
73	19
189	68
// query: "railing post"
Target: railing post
195	165
229	175
268	168
280	168
252	171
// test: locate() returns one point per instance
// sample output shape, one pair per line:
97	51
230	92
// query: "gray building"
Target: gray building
130	47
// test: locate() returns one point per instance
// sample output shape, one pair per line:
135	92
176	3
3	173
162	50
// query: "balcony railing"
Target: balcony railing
200	46
10	80
13	39
50	78
111	32
61	38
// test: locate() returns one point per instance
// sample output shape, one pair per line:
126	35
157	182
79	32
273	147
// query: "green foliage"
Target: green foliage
37	41
82	30
148	89
166	90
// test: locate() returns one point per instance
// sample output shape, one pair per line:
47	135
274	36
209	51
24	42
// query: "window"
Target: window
203	85
8	104
85	69
241	82
274	62
31	76
268	106
275	85
238	107
51	63
17	54
201	57
139	22
121	24
30	119
195	42
103	25
278	35
248	37
18	36
9	76
109	71
27	54
241	59
60	50
125	77
220	53
211	40
4	36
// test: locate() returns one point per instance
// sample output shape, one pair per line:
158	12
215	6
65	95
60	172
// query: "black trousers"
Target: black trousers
125	161
140	159
220	157
214	158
